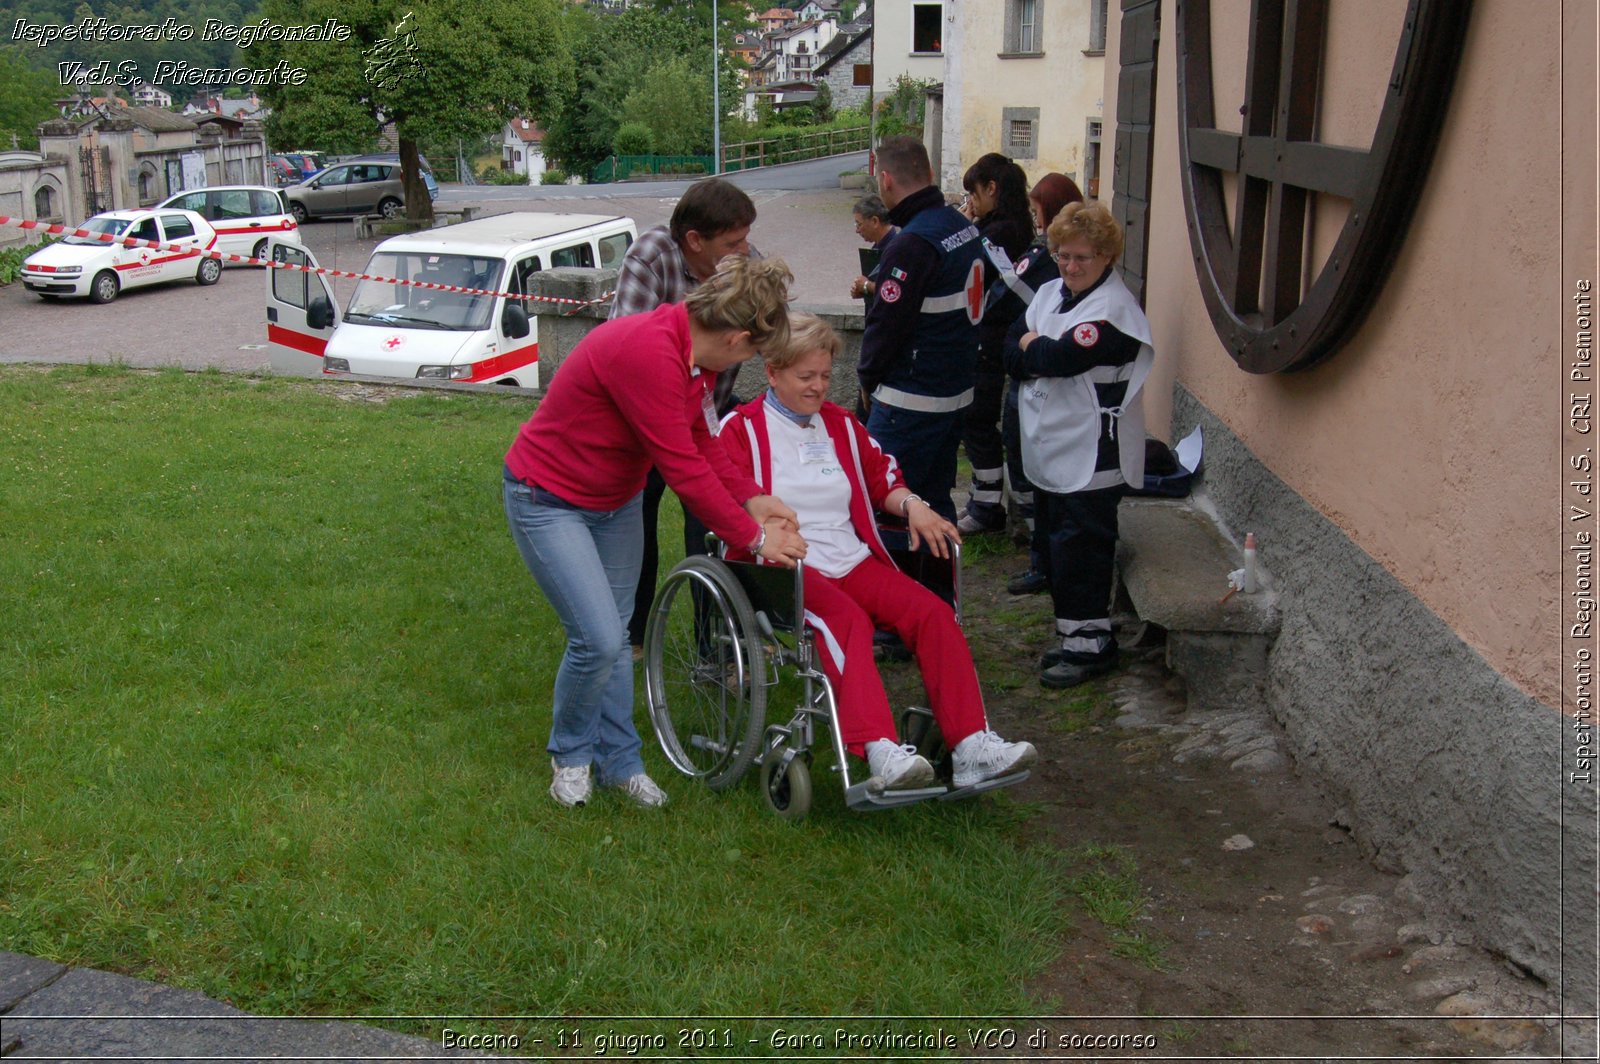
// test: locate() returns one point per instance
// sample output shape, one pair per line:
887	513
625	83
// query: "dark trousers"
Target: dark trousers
1021	486
925	446
981	436
1077	534
694	542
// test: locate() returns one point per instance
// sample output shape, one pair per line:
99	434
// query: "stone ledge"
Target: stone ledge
1174	564
367	226
21	976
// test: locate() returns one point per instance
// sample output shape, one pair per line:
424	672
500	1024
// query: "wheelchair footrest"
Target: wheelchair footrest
871	794
1012	780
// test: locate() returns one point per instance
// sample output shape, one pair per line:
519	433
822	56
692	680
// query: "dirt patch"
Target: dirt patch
1261	930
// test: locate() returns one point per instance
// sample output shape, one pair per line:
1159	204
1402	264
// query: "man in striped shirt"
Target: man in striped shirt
711	221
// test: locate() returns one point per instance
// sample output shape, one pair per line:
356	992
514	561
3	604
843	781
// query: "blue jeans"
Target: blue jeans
925	445
587	564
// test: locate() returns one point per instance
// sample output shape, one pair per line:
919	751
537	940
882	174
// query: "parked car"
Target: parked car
368	185
292	167
243	216
86	266
306	163
283	172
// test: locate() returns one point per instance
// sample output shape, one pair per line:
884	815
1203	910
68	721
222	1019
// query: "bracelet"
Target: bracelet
905	503
761	541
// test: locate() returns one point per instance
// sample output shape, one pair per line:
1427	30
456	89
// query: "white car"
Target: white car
244	216
86	266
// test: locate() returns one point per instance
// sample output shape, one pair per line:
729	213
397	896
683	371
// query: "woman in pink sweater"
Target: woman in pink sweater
634	393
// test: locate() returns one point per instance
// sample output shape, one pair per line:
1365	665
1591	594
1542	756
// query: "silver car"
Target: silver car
360	186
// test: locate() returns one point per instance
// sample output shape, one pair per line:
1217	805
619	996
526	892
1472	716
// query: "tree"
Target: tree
615	56
27	97
822	106
733	14
634	138
439	71
674	101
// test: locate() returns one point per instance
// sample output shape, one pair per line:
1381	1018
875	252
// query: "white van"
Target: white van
405	330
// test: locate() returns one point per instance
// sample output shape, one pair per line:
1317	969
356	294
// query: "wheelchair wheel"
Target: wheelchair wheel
787	788
705	672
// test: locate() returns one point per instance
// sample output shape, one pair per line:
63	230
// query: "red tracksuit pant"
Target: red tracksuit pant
844	613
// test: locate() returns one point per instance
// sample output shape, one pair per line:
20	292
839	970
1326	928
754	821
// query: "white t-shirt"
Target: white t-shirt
807	475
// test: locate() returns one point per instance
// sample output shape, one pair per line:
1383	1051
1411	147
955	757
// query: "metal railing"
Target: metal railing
622	167
793	147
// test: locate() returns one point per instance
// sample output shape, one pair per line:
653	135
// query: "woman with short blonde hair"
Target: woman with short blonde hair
823	462
1082	353
1090	222
635	392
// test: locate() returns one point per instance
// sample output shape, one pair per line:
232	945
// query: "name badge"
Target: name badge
709	409
815	451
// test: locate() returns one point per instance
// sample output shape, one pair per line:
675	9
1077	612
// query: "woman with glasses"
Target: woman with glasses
873	226
635	393
1081	352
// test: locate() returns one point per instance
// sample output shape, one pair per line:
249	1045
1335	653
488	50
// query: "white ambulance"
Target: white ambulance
389	329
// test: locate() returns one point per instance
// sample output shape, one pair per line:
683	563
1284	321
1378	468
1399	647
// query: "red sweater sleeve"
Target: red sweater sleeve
663	402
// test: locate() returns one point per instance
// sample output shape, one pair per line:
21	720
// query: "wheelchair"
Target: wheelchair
718	635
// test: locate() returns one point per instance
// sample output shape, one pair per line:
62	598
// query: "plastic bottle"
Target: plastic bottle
1249	562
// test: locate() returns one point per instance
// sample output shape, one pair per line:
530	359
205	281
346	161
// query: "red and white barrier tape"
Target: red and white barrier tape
156	245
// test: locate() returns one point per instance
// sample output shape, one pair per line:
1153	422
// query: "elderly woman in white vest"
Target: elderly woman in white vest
1082	352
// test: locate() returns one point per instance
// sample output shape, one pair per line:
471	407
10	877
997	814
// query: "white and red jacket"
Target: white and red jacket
872	472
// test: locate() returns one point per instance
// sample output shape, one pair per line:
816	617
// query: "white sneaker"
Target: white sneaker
984	756
642	790
571	784
899	767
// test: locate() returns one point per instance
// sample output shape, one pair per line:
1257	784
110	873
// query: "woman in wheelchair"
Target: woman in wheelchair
819	459
632	394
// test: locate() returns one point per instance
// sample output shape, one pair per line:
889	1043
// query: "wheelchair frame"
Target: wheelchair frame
718	634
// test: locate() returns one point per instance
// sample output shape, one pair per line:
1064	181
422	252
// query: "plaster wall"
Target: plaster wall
1061	82
1407	492
1419	439
891	48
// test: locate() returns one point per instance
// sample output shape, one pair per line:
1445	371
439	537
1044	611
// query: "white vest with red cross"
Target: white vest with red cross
1062	418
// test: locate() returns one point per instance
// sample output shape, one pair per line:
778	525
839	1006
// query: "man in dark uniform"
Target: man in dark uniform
920	351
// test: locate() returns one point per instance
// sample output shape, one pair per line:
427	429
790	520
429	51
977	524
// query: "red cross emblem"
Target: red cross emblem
975	292
393	342
889	291
1086	335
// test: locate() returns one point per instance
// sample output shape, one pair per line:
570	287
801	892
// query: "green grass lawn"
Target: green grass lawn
276	691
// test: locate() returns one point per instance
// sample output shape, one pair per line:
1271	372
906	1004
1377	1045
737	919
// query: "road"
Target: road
802	215
809	176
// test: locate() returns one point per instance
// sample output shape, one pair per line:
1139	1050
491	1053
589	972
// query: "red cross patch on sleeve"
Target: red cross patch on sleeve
889	291
1086	335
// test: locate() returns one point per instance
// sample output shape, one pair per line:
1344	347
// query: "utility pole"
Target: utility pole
716	95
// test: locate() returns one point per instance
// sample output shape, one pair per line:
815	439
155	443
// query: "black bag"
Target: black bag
1163	475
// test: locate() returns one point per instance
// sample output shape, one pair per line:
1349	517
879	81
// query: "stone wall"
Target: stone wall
1443	768
27	180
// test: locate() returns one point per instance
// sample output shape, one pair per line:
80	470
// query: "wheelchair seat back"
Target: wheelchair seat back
773	590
